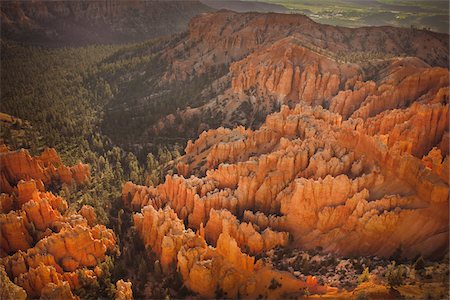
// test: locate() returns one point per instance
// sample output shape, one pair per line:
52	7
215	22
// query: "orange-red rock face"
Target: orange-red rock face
10	290
277	59
19	165
291	71
355	164
246	234
124	291
205	269
225	36
341	185
307	178
44	249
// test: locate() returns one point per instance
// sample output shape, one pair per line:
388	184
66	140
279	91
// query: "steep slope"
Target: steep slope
233	69
355	162
81	22
326	183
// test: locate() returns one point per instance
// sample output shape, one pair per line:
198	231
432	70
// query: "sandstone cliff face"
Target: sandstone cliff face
293	72
45	248
231	36
246	234
415	130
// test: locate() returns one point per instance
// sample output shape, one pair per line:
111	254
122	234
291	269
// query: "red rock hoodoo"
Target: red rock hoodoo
352	180
356	162
44	248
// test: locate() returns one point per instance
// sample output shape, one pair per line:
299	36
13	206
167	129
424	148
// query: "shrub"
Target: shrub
394	275
364	277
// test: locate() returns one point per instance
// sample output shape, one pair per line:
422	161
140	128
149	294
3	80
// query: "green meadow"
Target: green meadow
432	15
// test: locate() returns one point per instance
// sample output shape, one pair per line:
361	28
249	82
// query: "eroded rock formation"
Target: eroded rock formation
275	59
124	291
370	186
19	165
205	269
364	186
44	248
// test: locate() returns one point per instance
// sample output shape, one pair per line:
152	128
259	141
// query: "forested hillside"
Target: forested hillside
59	98
85	22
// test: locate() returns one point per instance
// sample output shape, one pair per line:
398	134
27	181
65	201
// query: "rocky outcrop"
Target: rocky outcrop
438	163
263	221
394	92
124	291
39	212
304	179
19	165
229	36
415	130
207	270
10	291
163	232
242	67
56	258
279	59
44	247
398	85
246	235
335	185
291	71
88	212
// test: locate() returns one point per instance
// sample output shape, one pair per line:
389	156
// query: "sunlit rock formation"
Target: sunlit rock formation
273	59
124	291
205	269
19	165
44	248
307	178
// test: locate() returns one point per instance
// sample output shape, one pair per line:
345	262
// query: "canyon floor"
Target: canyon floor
252	155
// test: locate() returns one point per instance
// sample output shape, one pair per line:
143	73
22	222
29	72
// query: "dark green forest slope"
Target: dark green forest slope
60	96
57	98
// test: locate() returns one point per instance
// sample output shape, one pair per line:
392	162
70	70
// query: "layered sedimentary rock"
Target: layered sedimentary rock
354	160
225	36
44	248
415	130
336	184
246	234
205	269
354	187
124	291
275	59
291	71
19	165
